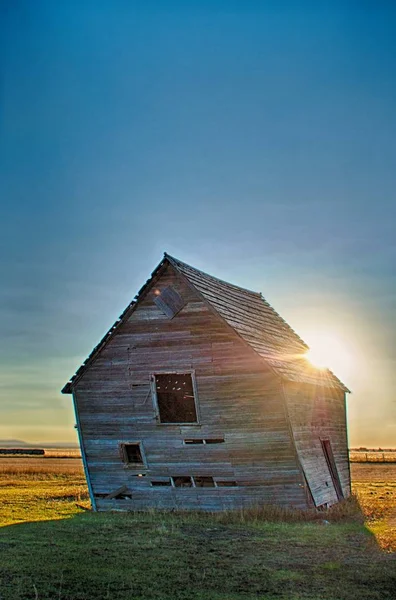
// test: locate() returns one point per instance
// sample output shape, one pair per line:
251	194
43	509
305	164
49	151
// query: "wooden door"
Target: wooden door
329	456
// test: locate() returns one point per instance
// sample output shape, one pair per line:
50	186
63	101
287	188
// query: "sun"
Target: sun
329	351
317	358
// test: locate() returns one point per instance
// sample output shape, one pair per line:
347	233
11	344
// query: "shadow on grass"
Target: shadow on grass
195	556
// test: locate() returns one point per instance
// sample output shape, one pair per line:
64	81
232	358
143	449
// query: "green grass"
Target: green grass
51	549
190	557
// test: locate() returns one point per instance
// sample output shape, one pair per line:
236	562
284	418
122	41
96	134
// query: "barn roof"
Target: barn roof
251	317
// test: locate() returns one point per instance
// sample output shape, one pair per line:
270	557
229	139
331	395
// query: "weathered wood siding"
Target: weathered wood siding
237	398
319	413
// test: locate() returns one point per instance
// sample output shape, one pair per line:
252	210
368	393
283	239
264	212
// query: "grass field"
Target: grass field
50	548
375	488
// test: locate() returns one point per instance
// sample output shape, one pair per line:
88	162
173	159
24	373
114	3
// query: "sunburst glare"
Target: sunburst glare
329	351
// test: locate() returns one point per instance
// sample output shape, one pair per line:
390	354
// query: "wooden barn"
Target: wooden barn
200	397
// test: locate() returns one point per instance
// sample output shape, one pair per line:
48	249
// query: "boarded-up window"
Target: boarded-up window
132	454
169	301
175	398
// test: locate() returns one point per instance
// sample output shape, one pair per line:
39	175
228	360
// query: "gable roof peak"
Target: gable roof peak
179	263
249	315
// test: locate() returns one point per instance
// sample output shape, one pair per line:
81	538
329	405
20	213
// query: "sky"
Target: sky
253	140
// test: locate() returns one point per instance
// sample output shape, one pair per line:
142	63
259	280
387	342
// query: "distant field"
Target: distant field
372	456
355	455
36	465
47	452
62	452
71	554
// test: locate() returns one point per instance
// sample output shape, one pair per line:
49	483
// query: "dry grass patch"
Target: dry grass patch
375	488
347	510
39	466
373	456
62	453
34	489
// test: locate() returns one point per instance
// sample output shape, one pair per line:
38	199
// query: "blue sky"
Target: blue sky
255	140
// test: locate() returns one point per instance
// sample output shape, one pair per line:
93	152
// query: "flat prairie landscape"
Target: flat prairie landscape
51	547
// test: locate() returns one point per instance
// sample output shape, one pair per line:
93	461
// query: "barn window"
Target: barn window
132	454
175	398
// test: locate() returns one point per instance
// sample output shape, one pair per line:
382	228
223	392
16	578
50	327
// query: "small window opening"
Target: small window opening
204	482
182	481
161	483
194	441
226	484
132	454
175	398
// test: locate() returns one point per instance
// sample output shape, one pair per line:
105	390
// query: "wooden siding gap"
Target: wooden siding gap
121	491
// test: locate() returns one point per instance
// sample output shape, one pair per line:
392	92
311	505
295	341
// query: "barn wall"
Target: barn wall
237	397
319	413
